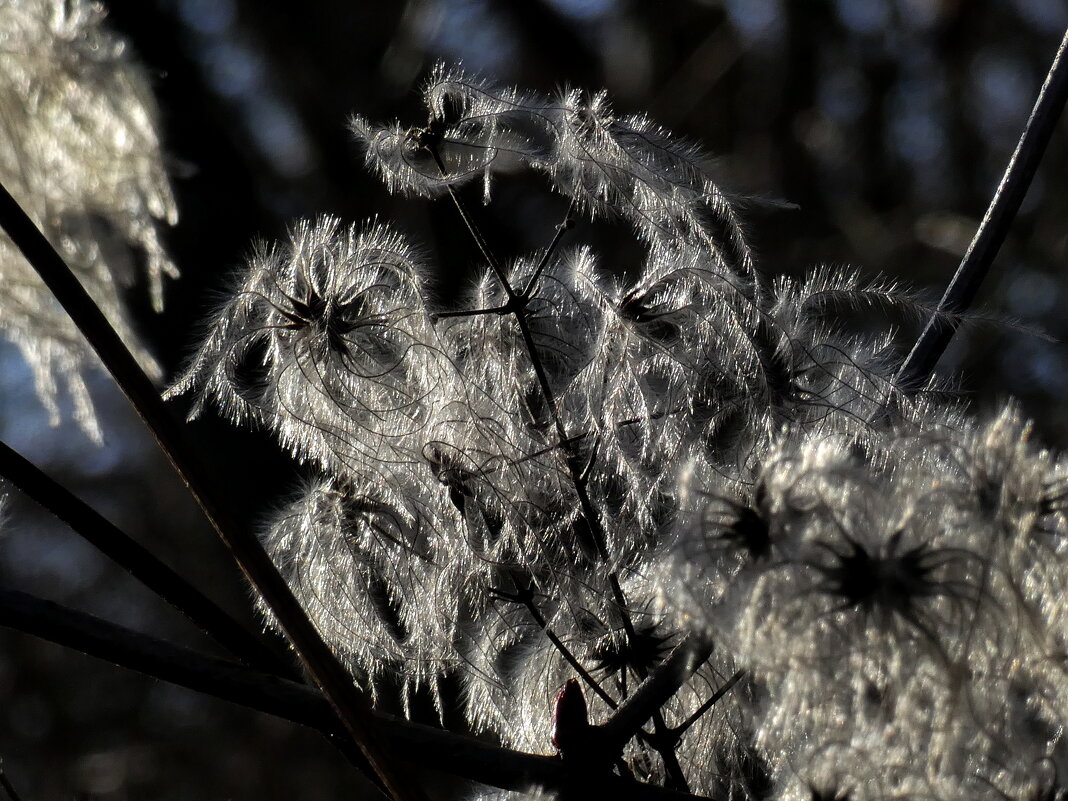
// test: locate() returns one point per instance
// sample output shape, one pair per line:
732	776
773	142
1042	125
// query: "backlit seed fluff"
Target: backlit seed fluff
573	468
79	151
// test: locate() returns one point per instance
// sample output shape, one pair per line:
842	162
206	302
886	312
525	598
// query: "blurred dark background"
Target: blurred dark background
868	133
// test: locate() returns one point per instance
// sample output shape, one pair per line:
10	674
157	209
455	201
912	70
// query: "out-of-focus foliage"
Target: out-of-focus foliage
886	123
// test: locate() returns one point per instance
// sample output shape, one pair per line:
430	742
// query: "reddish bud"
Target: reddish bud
570	718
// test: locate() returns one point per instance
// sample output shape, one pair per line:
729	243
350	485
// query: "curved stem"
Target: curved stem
421	746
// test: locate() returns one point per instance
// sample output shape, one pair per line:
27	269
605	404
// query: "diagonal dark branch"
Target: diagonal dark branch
657	689
524	596
9	788
352	708
139	562
173	663
961	292
429	747
163	660
728	685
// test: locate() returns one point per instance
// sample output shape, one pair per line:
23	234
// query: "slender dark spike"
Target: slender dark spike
336	683
424	746
683	727
469	313
584	674
566	225
564	651
472	229
9	788
140	563
660	686
584	474
482	245
992	231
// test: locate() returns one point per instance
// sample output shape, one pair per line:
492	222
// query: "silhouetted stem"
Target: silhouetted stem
683	727
423	746
320	662
657	689
594	541
544	262
139	562
6	784
960	294
525	599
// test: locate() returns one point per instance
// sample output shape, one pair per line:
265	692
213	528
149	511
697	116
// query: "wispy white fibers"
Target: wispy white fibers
884	587
80	152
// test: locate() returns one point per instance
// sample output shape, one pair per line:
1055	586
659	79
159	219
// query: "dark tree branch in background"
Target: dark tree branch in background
427	746
335	682
960	294
139	562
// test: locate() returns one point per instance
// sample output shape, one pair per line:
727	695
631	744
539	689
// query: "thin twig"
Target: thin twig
593	541
6	784
657	689
561	229
683	727
960	293
525	597
469	313
139	562
336	683
428	747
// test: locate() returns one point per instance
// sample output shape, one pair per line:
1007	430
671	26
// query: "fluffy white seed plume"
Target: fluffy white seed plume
882	606
570	474
327	343
80	152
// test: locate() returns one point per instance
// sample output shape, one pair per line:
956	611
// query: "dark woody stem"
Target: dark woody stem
657	689
351	707
418	746
1020	171
140	563
592	541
